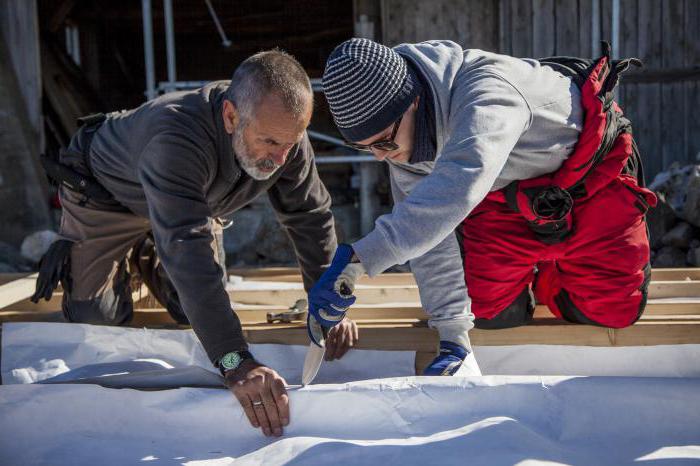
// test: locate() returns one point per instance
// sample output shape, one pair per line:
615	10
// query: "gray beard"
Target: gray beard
251	167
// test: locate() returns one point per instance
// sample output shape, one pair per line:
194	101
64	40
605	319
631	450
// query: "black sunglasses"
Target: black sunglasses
383	145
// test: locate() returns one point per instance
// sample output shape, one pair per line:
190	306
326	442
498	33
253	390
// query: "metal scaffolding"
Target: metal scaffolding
367	172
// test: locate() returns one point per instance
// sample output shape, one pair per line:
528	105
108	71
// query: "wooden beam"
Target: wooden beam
290	274
17	290
675	274
257	314
674	289
389	295
370	294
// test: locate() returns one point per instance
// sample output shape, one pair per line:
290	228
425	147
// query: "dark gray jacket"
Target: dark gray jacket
171	161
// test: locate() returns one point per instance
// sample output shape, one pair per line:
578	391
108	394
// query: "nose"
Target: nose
379	154
280	156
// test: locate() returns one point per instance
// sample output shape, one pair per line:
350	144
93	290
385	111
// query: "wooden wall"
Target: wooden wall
20	31
662	100
472	23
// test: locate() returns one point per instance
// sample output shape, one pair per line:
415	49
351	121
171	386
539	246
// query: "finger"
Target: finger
329	318
355	332
331	342
259	409
271	412
342	346
245	403
333	297
279	392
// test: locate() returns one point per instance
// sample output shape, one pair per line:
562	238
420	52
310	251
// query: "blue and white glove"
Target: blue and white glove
448	361
331	296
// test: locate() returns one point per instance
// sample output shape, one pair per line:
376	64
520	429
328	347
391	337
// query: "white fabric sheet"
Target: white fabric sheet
491	420
38	351
409	421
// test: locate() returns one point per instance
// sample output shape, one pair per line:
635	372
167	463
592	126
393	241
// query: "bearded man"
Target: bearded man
143	191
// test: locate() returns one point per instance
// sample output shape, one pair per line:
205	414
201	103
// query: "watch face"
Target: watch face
230	361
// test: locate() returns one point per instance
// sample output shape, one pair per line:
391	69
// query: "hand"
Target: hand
331	296
340	339
262	394
448	361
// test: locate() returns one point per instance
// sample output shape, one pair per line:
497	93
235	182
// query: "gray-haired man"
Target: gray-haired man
170	168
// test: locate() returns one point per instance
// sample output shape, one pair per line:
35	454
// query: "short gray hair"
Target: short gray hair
270	71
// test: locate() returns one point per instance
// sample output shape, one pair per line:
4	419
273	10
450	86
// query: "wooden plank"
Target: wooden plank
692	89
54	303
415	336
17	290
566	30
396	294
675	274
543	34
409	335
504	27
647	123
10	277
585	9
379	280
423	358
670	274
366	294
521	28
395	336
649	333
627	92
293	275
251	272
673	102
250	314
482	25
606	20
676	288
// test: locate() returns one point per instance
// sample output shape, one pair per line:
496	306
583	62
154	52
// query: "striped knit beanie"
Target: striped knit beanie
368	87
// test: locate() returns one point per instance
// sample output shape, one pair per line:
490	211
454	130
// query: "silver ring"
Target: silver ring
257	403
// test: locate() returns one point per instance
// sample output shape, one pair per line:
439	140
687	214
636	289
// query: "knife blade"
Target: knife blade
315	353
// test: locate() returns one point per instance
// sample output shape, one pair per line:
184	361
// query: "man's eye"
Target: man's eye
271	142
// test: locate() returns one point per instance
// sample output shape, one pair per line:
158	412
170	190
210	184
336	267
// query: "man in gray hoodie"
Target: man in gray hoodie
170	169
463	131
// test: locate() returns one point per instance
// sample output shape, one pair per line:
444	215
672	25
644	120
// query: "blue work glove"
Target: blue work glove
448	361
331	296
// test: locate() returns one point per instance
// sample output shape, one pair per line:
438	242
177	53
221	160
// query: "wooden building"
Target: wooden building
662	99
71	57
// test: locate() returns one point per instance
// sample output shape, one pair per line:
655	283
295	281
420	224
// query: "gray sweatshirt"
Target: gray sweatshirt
499	119
171	161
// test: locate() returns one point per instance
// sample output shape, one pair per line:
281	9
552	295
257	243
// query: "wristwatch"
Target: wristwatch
232	360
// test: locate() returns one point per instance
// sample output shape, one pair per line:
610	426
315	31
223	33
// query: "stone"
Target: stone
691	207
35	245
678	236
660	219
669	256
693	257
681	188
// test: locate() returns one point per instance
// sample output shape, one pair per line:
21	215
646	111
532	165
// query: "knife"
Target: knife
315	353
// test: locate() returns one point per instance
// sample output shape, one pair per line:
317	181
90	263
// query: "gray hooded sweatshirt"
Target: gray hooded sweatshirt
499	119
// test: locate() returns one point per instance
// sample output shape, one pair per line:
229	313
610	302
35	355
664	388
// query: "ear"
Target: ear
230	115
415	102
